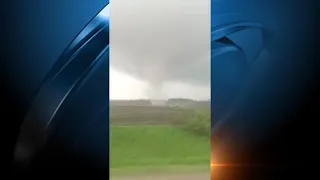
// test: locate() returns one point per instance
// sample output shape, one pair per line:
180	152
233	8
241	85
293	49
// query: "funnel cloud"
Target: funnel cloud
163	45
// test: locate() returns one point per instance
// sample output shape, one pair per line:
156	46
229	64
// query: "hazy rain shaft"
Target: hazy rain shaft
161	43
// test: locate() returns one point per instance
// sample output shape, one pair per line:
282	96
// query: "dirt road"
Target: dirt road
168	176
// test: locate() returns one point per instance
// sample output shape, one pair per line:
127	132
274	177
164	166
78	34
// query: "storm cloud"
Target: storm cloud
161	42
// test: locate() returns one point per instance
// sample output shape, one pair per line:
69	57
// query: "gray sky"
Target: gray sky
159	49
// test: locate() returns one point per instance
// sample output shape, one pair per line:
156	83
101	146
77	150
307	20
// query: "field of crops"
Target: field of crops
158	137
148	115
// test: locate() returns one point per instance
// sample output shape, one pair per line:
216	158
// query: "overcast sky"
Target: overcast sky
159	49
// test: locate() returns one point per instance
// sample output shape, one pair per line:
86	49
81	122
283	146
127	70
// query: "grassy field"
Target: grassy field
157	138
157	146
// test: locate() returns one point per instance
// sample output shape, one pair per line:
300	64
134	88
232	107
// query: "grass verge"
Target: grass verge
157	147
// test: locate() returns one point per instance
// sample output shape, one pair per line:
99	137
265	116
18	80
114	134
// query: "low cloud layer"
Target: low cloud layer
163	43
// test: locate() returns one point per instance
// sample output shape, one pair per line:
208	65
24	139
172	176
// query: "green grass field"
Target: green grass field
157	138
157	146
